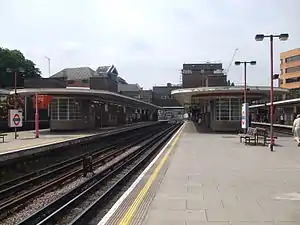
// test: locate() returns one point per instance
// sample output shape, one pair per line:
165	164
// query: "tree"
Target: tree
14	59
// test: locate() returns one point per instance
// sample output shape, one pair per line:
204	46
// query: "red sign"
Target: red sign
43	101
16	119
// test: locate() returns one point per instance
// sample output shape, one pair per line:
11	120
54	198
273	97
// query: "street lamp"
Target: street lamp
237	63
276	77
282	37
48	58
15	71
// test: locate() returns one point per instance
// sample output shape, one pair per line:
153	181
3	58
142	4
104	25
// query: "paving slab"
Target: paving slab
214	179
26	139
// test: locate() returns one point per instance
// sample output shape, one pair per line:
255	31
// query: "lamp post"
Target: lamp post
36	118
15	72
282	37
48	58
276	77
237	63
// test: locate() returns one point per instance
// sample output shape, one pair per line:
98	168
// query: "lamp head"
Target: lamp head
259	37
283	37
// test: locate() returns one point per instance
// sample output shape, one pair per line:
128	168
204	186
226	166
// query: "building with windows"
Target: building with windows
220	107
290	70
147	95
104	78
130	90
162	95
203	75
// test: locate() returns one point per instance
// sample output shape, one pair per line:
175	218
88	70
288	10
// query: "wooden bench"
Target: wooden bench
256	134
2	136
251	135
261	133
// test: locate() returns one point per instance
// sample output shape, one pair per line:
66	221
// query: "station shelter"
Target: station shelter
220	107
80	108
171	113
285	111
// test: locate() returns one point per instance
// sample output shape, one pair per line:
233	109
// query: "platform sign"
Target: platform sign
15	118
245	116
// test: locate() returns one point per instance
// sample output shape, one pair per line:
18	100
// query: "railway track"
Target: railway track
14	194
279	130
82	203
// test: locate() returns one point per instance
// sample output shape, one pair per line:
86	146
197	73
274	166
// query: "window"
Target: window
228	109
292	69
292	80
293	58
54	106
236	108
65	109
74	110
85	81
70	81
222	109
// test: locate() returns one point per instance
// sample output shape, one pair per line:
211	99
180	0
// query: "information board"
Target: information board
15	118
245	116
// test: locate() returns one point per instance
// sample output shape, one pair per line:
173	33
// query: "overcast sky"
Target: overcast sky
148	41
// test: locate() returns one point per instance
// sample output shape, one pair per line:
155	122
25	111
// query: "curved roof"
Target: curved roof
184	95
4	92
99	94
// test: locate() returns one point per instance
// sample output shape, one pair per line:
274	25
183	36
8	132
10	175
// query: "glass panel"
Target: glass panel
217	109
63	109
54	109
74	110
224	109
236	109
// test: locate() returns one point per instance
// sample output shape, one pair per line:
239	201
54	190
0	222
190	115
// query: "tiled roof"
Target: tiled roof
103	70
128	87
121	80
82	73
79	73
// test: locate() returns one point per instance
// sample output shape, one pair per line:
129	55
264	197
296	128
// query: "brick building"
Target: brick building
203	75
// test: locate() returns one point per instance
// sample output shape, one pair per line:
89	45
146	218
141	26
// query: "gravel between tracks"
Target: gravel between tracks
44	199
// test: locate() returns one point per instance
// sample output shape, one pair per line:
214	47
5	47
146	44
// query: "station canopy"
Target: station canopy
185	95
99	95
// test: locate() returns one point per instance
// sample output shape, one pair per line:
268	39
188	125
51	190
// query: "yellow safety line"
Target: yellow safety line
130	212
41	144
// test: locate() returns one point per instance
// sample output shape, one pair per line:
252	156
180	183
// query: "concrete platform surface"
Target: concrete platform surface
213	179
27	140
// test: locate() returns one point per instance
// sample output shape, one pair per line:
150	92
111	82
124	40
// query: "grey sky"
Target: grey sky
148	41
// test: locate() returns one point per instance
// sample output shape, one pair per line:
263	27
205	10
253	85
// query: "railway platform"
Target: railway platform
213	179
27	144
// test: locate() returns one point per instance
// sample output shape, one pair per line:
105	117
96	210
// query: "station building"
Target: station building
220	107
290	69
77	99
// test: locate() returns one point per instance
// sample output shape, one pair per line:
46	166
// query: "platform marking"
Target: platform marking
146	187
41	144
